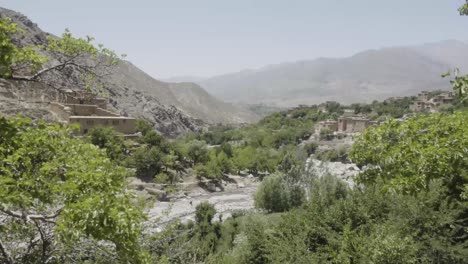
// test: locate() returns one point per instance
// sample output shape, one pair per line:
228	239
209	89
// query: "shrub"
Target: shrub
326	134
276	195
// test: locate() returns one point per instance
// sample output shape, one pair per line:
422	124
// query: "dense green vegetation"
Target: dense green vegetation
411	206
60	196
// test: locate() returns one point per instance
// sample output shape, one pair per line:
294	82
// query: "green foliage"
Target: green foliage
334	155
197	151
146	161
152	139
50	177
276	194
108	139
326	134
143	126
460	83
463	9
409	155
204	213
78	51
89	62
310	148
218	165
13	58
161	178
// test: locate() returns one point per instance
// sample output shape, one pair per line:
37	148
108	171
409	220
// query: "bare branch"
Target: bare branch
6	254
29	217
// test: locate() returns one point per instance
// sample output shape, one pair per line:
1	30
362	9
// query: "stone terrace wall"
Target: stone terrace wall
123	125
59	110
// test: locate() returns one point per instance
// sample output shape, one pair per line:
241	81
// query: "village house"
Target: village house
393	99
354	124
89	111
346	124
424	101
331	125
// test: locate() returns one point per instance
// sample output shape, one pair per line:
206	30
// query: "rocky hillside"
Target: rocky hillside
366	76
172	107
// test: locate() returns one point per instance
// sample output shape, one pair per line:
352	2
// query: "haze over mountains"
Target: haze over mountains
366	76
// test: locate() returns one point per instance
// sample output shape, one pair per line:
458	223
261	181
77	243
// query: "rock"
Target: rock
211	187
240	185
156	192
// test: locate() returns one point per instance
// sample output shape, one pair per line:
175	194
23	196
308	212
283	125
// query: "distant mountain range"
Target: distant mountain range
173	108
366	76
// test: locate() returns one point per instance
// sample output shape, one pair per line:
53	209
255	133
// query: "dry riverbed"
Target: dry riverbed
236	196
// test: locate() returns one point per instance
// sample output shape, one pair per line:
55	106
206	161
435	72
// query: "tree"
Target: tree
201	171
13	58
204	213
275	194
197	151
59	194
326	134
143	126
147	161
81	63
108	139
408	156
224	163
227	149
310	148
151	138
244	157
463	9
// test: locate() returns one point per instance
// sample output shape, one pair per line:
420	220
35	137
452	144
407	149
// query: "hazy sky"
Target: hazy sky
209	37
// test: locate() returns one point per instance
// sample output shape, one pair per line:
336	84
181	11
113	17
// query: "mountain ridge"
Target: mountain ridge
362	77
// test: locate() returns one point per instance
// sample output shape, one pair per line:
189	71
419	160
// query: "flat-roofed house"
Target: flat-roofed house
81	108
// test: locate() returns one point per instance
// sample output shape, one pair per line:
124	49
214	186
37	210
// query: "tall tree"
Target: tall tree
58	62
60	197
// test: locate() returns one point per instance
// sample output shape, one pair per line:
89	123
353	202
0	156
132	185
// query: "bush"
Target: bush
161	178
204	213
310	148
326	134
108	139
276	195
333	155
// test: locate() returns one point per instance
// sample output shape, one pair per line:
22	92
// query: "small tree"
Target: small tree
83	63
147	162
143	126
326	134
58	195
108	139
273	194
197	151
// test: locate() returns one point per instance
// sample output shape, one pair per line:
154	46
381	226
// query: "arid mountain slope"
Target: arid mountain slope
173	108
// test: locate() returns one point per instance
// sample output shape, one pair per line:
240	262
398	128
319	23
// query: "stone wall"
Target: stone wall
60	111
124	125
329	124
353	125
